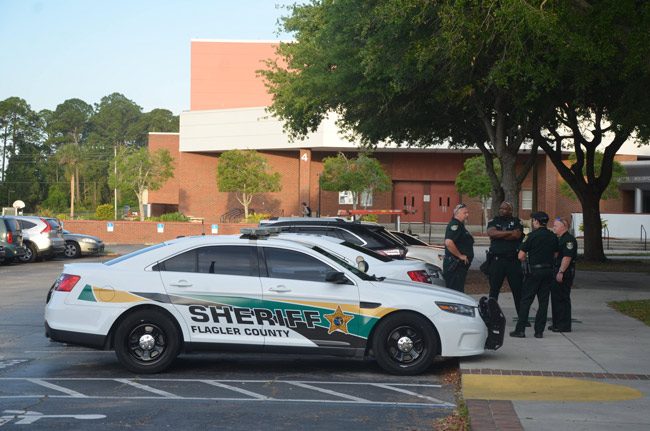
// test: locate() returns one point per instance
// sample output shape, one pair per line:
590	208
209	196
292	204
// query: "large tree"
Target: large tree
600	100
418	73
140	170
474	182
245	173
357	175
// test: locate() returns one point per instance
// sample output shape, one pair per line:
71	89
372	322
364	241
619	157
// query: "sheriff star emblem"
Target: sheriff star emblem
454	227
338	321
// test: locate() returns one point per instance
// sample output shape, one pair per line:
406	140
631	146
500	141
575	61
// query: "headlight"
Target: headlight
462	309
88	240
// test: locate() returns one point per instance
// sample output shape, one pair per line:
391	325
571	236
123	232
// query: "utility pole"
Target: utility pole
115	172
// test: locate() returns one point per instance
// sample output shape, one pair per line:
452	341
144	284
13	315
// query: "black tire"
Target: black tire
30	253
163	339
72	250
405	344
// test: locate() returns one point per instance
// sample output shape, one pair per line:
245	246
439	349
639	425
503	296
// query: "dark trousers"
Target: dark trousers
561	302
536	284
454	274
500	268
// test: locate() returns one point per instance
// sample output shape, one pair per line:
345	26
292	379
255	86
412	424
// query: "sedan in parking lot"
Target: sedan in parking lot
260	292
77	244
42	237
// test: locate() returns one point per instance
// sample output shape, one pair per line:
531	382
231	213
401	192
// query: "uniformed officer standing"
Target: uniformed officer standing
563	279
537	252
505	232
459	250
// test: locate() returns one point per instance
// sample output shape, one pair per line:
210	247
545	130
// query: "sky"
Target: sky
54	50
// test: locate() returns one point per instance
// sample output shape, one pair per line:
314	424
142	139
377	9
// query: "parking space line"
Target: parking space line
147	388
327	391
49	385
235	389
415	394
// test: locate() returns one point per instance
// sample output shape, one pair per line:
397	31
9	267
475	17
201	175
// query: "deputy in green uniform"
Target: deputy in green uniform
459	250
505	232
537	253
563	278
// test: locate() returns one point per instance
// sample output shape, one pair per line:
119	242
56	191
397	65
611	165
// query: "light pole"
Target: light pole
9	192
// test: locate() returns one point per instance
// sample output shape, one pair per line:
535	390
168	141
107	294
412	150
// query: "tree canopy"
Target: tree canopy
357	175
245	173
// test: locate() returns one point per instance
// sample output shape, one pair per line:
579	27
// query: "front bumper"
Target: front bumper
91	248
495	321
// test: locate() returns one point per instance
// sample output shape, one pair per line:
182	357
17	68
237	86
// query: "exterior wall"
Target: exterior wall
136	232
223	74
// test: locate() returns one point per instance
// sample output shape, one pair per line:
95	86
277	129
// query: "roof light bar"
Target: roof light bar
259	232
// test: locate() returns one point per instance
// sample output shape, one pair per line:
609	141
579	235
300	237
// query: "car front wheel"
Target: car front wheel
147	342
405	344
72	249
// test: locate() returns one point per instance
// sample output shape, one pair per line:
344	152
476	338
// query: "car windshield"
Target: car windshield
367	251
408	239
343	263
134	254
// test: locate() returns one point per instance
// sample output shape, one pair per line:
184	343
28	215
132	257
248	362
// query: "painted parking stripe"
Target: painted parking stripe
147	388
414	394
49	385
329	392
235	389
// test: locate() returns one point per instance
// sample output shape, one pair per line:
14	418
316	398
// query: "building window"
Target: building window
345	198
526	199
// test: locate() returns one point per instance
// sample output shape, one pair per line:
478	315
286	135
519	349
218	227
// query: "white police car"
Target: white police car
264	293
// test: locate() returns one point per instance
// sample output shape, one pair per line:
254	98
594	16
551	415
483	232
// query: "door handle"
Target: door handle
181	283
280	289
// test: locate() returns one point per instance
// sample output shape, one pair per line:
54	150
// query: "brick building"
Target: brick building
227	111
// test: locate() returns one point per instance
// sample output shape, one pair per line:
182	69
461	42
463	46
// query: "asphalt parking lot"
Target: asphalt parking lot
53	386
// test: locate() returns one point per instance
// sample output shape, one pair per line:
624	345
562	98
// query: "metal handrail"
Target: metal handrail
606	231
644	237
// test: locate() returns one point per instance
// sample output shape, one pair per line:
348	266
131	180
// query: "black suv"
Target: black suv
371	236
11	238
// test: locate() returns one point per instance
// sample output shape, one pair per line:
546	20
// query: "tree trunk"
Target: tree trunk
72	196
593	241
140	205
509	181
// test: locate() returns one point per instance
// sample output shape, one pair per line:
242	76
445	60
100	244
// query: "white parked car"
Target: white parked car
261	293
377	264
42	237
418	249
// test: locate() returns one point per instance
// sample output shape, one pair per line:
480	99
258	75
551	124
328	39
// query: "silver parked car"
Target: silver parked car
42	237
77	244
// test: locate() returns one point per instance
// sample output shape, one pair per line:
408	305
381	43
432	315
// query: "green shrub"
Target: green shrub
176	216
374	218
63	216
255	218
105	212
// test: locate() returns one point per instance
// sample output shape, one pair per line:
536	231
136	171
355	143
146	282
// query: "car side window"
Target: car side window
184	262
228	260
24	224
349	237
315	230
294	265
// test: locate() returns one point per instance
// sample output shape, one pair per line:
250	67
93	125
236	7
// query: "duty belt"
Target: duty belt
541	266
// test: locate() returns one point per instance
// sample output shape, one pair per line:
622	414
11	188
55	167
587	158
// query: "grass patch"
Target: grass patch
615	265
638	309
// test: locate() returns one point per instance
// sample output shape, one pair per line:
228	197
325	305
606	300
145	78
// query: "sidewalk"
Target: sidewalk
594	378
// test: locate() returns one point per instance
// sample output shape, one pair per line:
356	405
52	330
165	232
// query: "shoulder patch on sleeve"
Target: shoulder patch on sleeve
454	227
569	245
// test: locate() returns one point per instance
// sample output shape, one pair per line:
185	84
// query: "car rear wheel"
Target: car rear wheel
404	344
72	249
147	342
30	253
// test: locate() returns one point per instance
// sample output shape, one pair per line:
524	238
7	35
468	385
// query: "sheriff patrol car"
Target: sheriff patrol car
263	293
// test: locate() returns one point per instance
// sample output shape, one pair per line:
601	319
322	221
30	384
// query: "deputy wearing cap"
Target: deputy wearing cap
563	279
537	253
459	250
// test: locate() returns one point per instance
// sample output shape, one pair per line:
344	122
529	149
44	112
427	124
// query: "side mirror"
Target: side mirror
362	265
336	277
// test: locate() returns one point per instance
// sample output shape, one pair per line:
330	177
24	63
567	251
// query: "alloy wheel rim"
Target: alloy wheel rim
405	345
146	343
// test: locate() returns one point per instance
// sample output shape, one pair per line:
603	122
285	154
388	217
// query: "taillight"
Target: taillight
420	276
10	237
48	228
66	282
